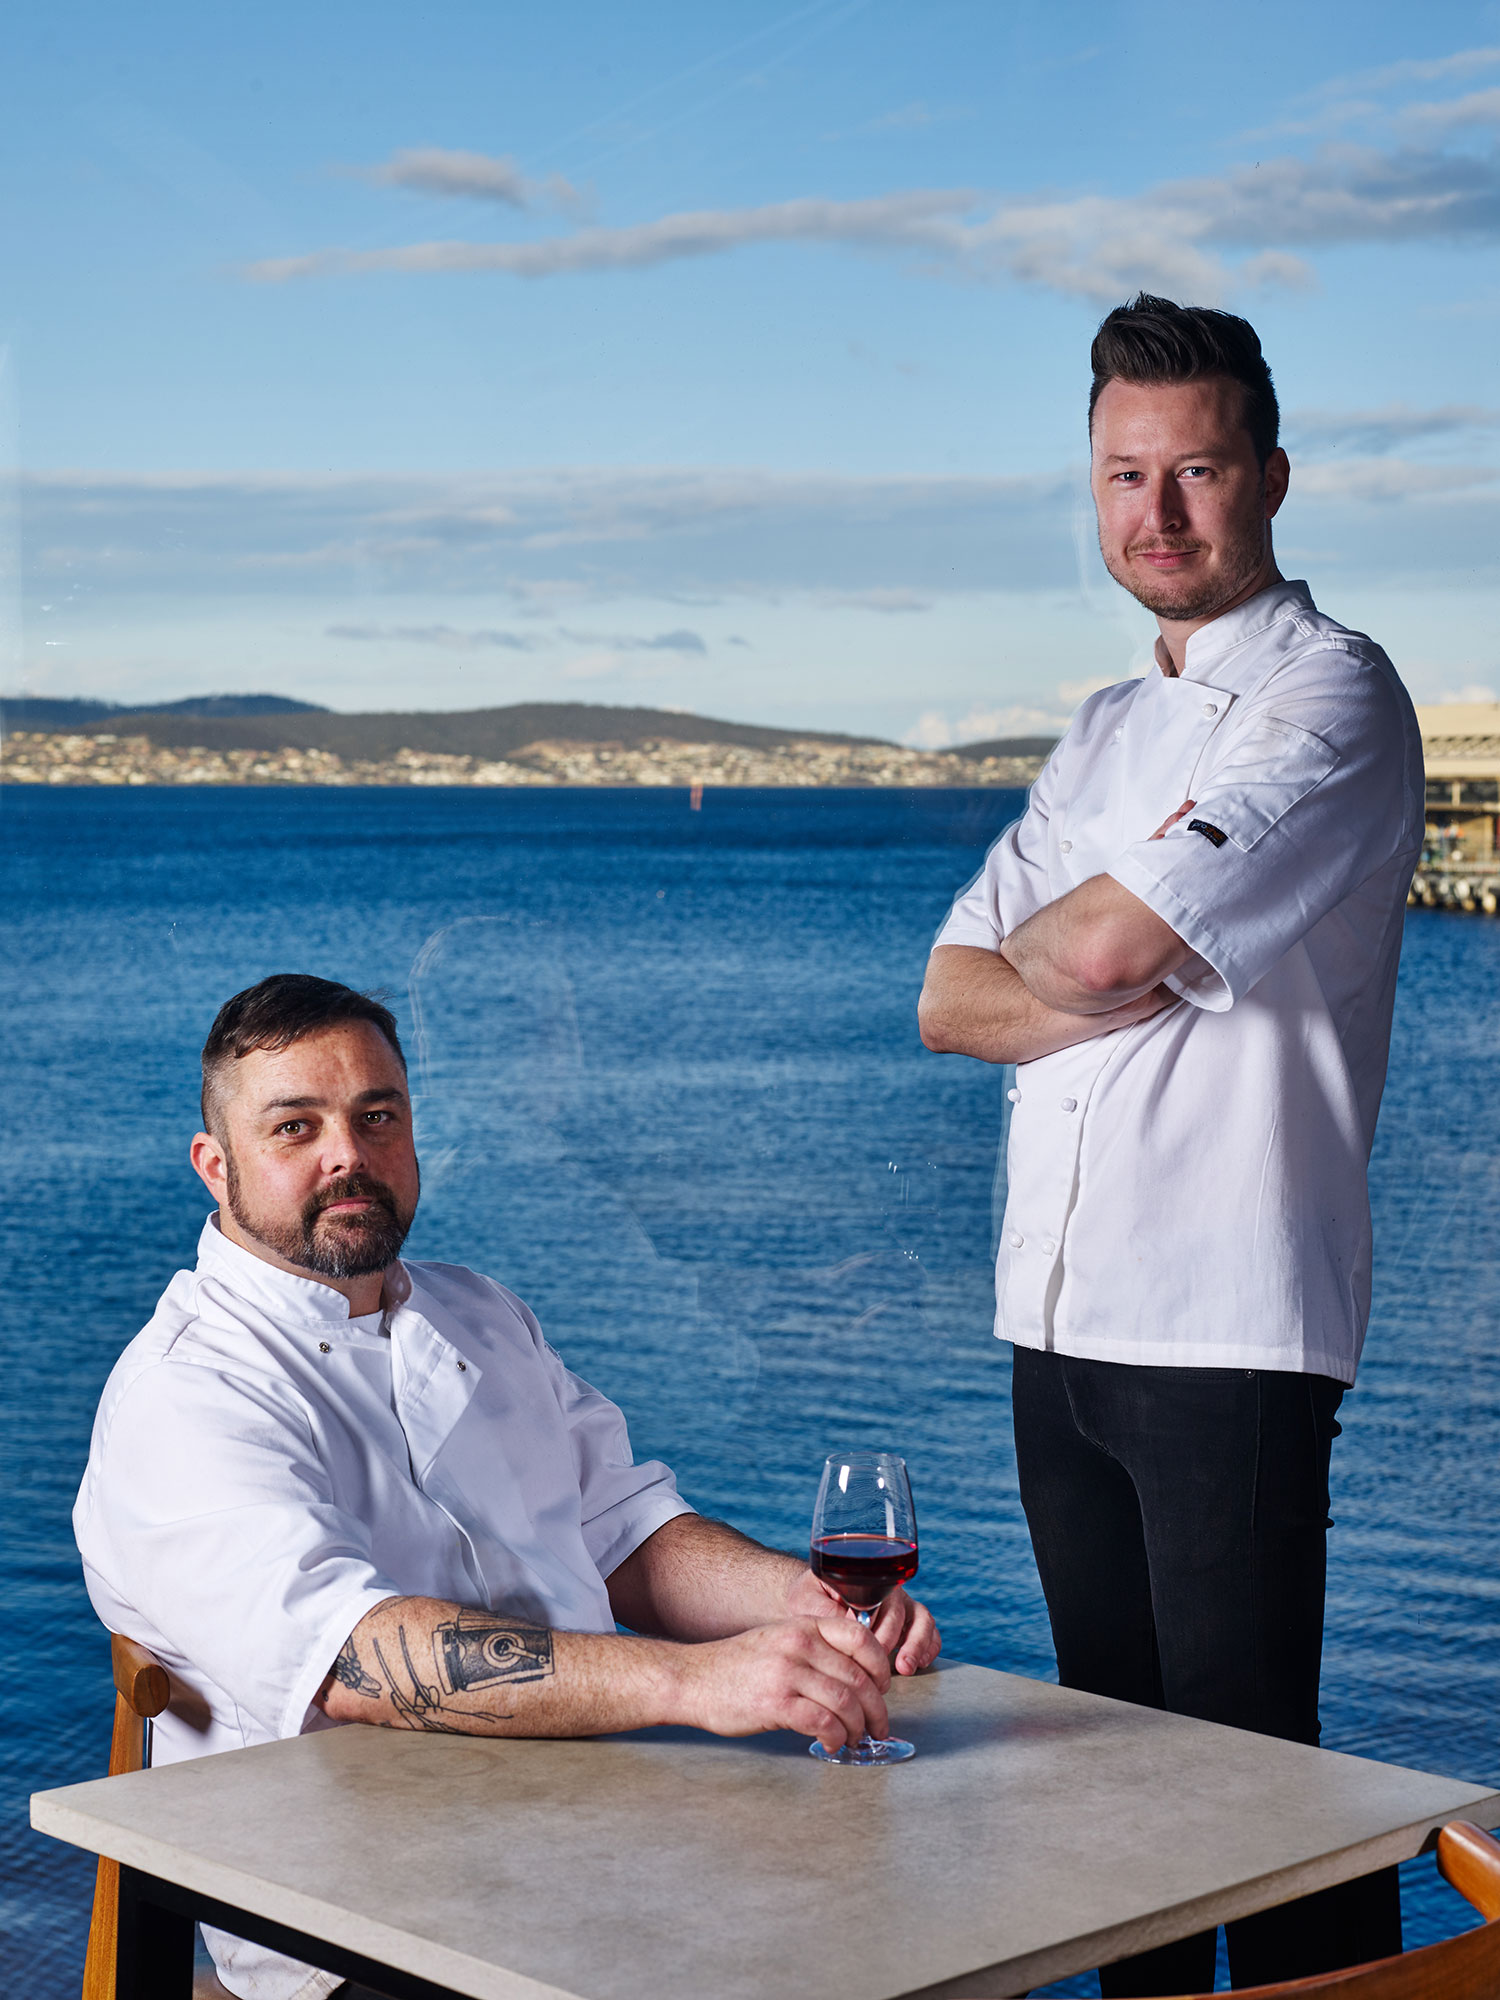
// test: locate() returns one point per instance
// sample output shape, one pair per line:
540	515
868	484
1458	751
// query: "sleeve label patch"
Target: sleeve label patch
1213	833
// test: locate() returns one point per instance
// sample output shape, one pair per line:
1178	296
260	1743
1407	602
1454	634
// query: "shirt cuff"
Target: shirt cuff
968	930
325	1649
1222	982
641	1521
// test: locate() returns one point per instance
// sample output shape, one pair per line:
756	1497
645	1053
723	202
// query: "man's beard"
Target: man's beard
1198	597
348	1246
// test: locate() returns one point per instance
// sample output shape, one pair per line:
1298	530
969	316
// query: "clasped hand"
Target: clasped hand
818	1671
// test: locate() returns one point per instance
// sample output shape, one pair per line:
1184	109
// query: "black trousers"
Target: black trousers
1179	1518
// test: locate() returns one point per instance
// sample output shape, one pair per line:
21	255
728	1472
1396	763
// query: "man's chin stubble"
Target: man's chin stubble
1195	600
1180	606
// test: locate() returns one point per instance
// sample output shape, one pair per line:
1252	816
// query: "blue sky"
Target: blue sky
729	358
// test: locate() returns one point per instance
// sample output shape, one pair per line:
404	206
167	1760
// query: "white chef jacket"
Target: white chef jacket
1192	1191
265	1470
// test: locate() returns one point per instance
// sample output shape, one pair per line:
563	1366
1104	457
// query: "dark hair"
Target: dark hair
280	1010
1154	340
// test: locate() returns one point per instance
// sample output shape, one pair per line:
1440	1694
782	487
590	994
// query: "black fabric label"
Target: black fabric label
1213	833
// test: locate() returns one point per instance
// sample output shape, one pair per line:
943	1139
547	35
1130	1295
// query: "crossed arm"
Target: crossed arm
726	1636
1085	965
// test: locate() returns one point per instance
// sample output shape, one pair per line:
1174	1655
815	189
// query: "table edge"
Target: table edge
52	1815
1262	1892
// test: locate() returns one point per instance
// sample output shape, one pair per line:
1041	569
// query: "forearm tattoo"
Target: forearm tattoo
475	1651
349	1669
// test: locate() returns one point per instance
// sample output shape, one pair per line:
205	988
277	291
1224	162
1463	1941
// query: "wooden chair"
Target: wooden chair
1466	1967
142	1691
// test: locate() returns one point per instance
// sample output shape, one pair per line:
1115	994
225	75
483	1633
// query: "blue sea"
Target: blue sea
670	1090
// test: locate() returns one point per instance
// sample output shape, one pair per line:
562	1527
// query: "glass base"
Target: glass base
868	1750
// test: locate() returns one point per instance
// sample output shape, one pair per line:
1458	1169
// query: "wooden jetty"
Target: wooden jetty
1460	865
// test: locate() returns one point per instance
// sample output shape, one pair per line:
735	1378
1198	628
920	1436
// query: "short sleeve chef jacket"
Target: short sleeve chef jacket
1192	1191
264	1471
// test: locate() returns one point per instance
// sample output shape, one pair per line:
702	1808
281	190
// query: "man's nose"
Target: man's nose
1165	512
343	1148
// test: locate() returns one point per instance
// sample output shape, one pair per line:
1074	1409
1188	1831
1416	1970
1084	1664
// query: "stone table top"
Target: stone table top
1037	1832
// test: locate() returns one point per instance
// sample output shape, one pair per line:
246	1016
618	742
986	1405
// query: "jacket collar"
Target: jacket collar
282	1294
1219	655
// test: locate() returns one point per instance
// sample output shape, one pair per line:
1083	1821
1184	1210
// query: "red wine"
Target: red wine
863	1569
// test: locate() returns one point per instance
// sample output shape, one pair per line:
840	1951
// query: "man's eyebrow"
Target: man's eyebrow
377	1095
1133	457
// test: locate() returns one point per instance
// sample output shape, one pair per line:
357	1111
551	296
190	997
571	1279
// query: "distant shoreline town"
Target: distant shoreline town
227	740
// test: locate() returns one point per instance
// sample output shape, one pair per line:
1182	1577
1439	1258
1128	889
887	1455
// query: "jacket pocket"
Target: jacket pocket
1271	767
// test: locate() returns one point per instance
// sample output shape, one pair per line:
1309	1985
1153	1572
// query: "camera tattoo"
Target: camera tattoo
478	1649
475	1650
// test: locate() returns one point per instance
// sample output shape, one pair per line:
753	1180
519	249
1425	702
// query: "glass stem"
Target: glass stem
865	1618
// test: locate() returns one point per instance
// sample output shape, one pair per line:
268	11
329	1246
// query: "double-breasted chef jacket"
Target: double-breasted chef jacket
1192	1191
266	1469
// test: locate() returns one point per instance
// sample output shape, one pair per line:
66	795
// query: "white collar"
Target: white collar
283	1293
1206	657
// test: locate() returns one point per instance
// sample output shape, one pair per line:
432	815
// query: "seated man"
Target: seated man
326	1486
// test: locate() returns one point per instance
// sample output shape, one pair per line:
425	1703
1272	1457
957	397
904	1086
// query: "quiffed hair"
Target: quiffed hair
1154	340
280	1010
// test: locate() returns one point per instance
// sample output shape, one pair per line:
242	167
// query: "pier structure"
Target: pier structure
1460	865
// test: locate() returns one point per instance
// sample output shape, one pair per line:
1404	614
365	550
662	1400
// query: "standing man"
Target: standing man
1188	946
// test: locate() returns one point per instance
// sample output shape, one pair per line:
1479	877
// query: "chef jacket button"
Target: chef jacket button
1048	1245
324	1348
463	1367
1070	1104
1067	846
1119	732
1016	1239
1014	1096
1210	708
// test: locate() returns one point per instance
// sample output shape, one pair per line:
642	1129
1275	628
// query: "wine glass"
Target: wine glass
864	1543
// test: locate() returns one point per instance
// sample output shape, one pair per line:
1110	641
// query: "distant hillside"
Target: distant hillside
481	732
1007	746
264	722
43	712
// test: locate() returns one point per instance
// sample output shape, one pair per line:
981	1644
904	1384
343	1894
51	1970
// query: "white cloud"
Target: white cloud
883	221
436	170
457	639
553	544
1476	691
934	731
1418	69
889	602
1383	430
1480	107
1386	479
1202	238
680	641
449	637
931	731
1073	692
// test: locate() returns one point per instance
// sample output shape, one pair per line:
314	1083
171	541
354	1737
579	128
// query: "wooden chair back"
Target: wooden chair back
1466	1967
142	1691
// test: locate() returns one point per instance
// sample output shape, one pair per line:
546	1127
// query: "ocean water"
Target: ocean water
670	1089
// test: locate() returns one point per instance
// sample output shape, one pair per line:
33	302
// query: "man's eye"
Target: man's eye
378	1117
1196	471
291	1128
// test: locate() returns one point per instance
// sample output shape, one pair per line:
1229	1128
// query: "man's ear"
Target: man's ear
209	1158
1278	477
